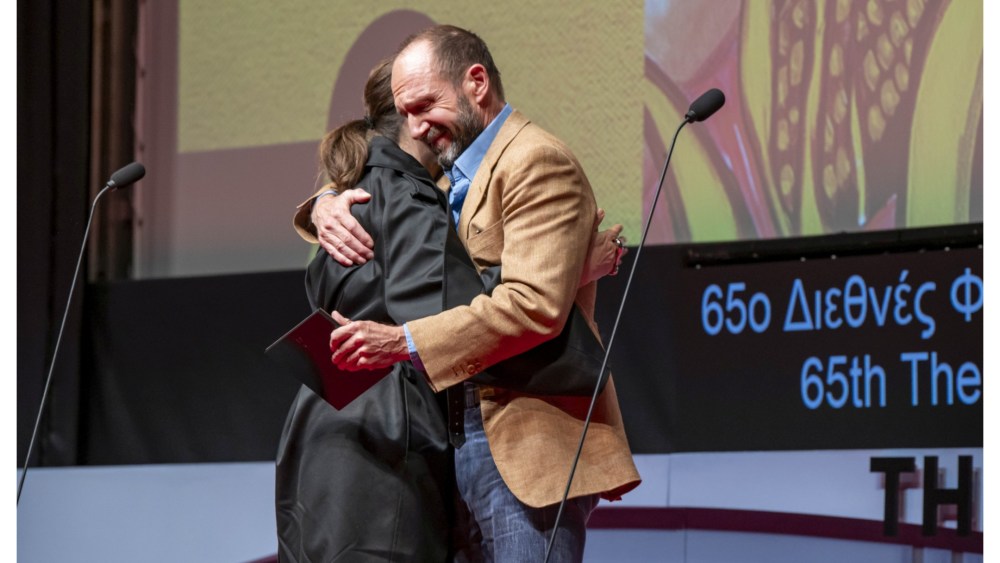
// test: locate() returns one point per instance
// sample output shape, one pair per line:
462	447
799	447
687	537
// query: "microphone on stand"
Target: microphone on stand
699	110
706	104
128	174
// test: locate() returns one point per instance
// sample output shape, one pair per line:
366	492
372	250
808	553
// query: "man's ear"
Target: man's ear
477	84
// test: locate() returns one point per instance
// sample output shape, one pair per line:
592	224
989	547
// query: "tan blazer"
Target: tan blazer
531	209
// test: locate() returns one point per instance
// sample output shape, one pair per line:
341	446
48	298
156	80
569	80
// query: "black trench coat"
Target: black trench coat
374	481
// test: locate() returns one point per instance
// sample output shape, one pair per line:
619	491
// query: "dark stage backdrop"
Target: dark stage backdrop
53	131
176	371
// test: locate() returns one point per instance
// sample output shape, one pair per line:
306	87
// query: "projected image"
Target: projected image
840	116
258	83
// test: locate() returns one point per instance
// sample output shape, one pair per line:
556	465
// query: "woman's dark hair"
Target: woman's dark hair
344	151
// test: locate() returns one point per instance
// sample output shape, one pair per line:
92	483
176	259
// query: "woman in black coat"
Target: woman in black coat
374	480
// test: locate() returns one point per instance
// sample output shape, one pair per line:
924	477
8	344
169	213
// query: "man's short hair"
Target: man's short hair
455	50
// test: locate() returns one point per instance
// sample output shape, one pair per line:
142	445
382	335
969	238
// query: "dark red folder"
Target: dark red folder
304	352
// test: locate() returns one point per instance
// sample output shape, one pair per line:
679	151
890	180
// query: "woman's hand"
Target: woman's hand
606	251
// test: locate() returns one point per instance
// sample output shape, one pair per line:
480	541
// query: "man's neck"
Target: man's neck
492	110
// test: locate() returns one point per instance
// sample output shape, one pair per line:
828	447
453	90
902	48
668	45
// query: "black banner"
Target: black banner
721	348
883	350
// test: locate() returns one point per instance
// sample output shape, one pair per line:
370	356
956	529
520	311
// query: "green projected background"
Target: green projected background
262	72
840	115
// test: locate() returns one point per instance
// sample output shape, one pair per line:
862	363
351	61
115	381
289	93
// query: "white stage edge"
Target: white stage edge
225	512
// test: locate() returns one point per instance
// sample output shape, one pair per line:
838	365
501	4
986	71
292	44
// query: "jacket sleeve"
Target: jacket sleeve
540	235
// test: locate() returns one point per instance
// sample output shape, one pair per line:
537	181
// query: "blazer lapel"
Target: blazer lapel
477	189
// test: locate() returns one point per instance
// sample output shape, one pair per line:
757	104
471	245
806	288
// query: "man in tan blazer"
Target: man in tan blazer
529	208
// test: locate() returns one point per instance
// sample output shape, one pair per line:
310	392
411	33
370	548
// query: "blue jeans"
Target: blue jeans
493	525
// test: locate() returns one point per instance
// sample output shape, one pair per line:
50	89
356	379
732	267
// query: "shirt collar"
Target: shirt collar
468	162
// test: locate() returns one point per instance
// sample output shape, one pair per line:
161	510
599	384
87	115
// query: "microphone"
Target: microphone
128	174
700	110
706	104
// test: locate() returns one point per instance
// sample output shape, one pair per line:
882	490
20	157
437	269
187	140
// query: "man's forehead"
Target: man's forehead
417	57
406	86
412	76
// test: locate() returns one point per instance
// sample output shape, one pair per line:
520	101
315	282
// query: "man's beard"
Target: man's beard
467	127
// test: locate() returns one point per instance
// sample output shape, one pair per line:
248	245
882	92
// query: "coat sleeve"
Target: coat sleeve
540	236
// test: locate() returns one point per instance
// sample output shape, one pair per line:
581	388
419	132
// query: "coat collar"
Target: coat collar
384	153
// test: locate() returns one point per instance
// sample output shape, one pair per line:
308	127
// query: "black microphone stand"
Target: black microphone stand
700	110
119	179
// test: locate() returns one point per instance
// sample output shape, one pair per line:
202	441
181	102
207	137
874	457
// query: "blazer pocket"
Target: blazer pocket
488	243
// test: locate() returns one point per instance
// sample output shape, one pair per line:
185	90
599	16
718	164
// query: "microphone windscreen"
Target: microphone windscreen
127	174
706	104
